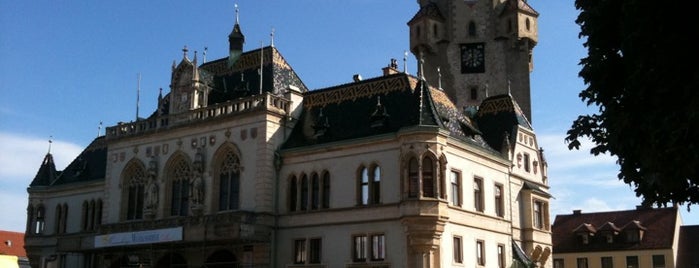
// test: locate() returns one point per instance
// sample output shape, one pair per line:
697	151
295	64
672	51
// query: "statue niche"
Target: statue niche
152	189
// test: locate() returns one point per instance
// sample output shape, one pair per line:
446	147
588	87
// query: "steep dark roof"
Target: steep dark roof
659	230
90	164
688	246
243	79
429	10
377	106
497	116
47	172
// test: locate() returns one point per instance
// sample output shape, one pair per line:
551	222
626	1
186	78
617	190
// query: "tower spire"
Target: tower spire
271	36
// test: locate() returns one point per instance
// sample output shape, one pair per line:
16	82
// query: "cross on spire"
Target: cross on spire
237	11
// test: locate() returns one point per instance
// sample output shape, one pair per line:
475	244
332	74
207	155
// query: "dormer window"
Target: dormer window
633	236
585	231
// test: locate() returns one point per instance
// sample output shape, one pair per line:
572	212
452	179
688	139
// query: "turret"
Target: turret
235	41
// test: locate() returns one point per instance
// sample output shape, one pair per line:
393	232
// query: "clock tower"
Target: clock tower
479	48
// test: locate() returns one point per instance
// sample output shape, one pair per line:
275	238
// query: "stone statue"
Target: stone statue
196	189
152	189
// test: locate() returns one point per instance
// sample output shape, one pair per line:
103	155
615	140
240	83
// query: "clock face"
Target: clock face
472	58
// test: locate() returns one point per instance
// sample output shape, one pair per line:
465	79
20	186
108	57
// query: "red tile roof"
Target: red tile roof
12	243
658	226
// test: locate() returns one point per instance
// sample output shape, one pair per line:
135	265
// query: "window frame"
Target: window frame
455	183
480	252
559	263
499	200
501	255
656	263
582	263
458	249
607	262
632	261
478	201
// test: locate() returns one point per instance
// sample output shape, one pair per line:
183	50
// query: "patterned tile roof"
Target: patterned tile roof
658	227
497	116
12	244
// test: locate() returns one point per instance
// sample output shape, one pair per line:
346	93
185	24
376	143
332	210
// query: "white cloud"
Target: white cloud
21	155
559	157
14	215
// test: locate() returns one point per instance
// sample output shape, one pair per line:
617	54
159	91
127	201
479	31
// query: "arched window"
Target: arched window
326	189
293	193
229	182
85	215
39	221
134	180
315	191
179	174
428	177
527	24
304	192
64	218
98	213
59	219
364	186
413	178
471	29
369	185
91	209
375	188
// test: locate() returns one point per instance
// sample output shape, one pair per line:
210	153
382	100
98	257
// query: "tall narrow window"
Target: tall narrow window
229	182
135	180
658	261
64	218
413	178
526	159
315	191
304	192
538	214
84	219
471	29
91	209
59	219
558	263
499	201
607	262
315	250
478	194
364	198
360	248
458	250
300	251
376	186
40	218
631	261
501	256
180	175
378	247
582	262
480	252
474	93
98	213
434	31
293	193
30	218
326	189
455	181
427	178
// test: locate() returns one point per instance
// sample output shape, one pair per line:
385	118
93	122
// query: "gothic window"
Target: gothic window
85	215
315	191
229	182
428	178
98	213
304	192
471	29
91	223
326	189
293	193
499	201
370	185
59	219
413	178
39	222
134	184
180	174
527	24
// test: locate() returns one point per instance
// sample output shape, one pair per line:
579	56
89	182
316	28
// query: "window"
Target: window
300	251
632	236
293	191
369	185
378	247
428	178
315	191
413	178
501	256
478	194
360	248
455	180
315	250
180	173
582	262
229	182
607	262
480	252
499	201
458	250
631	261
40	218
527	167
135	180
471	29
539	216
558	263
474	93
658	261
434	31
304	192
59	219
326	189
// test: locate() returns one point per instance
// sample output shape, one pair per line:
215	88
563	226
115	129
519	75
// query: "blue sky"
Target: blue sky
69	65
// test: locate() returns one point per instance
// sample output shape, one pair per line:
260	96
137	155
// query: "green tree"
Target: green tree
642	72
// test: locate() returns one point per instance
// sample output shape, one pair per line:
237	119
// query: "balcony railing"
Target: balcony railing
265	101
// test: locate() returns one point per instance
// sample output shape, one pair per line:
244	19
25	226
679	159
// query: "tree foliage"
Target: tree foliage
642	72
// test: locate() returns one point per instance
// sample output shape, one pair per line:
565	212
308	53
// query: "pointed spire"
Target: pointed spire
439	75
271	36
47	171
236	39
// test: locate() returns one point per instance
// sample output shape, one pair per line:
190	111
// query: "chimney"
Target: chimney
357	77
391	68
577	212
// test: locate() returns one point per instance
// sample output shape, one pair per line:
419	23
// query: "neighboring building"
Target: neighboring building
689	246
644	237
239	166
12	253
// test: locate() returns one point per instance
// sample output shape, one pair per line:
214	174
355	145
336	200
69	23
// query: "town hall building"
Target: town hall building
242	165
